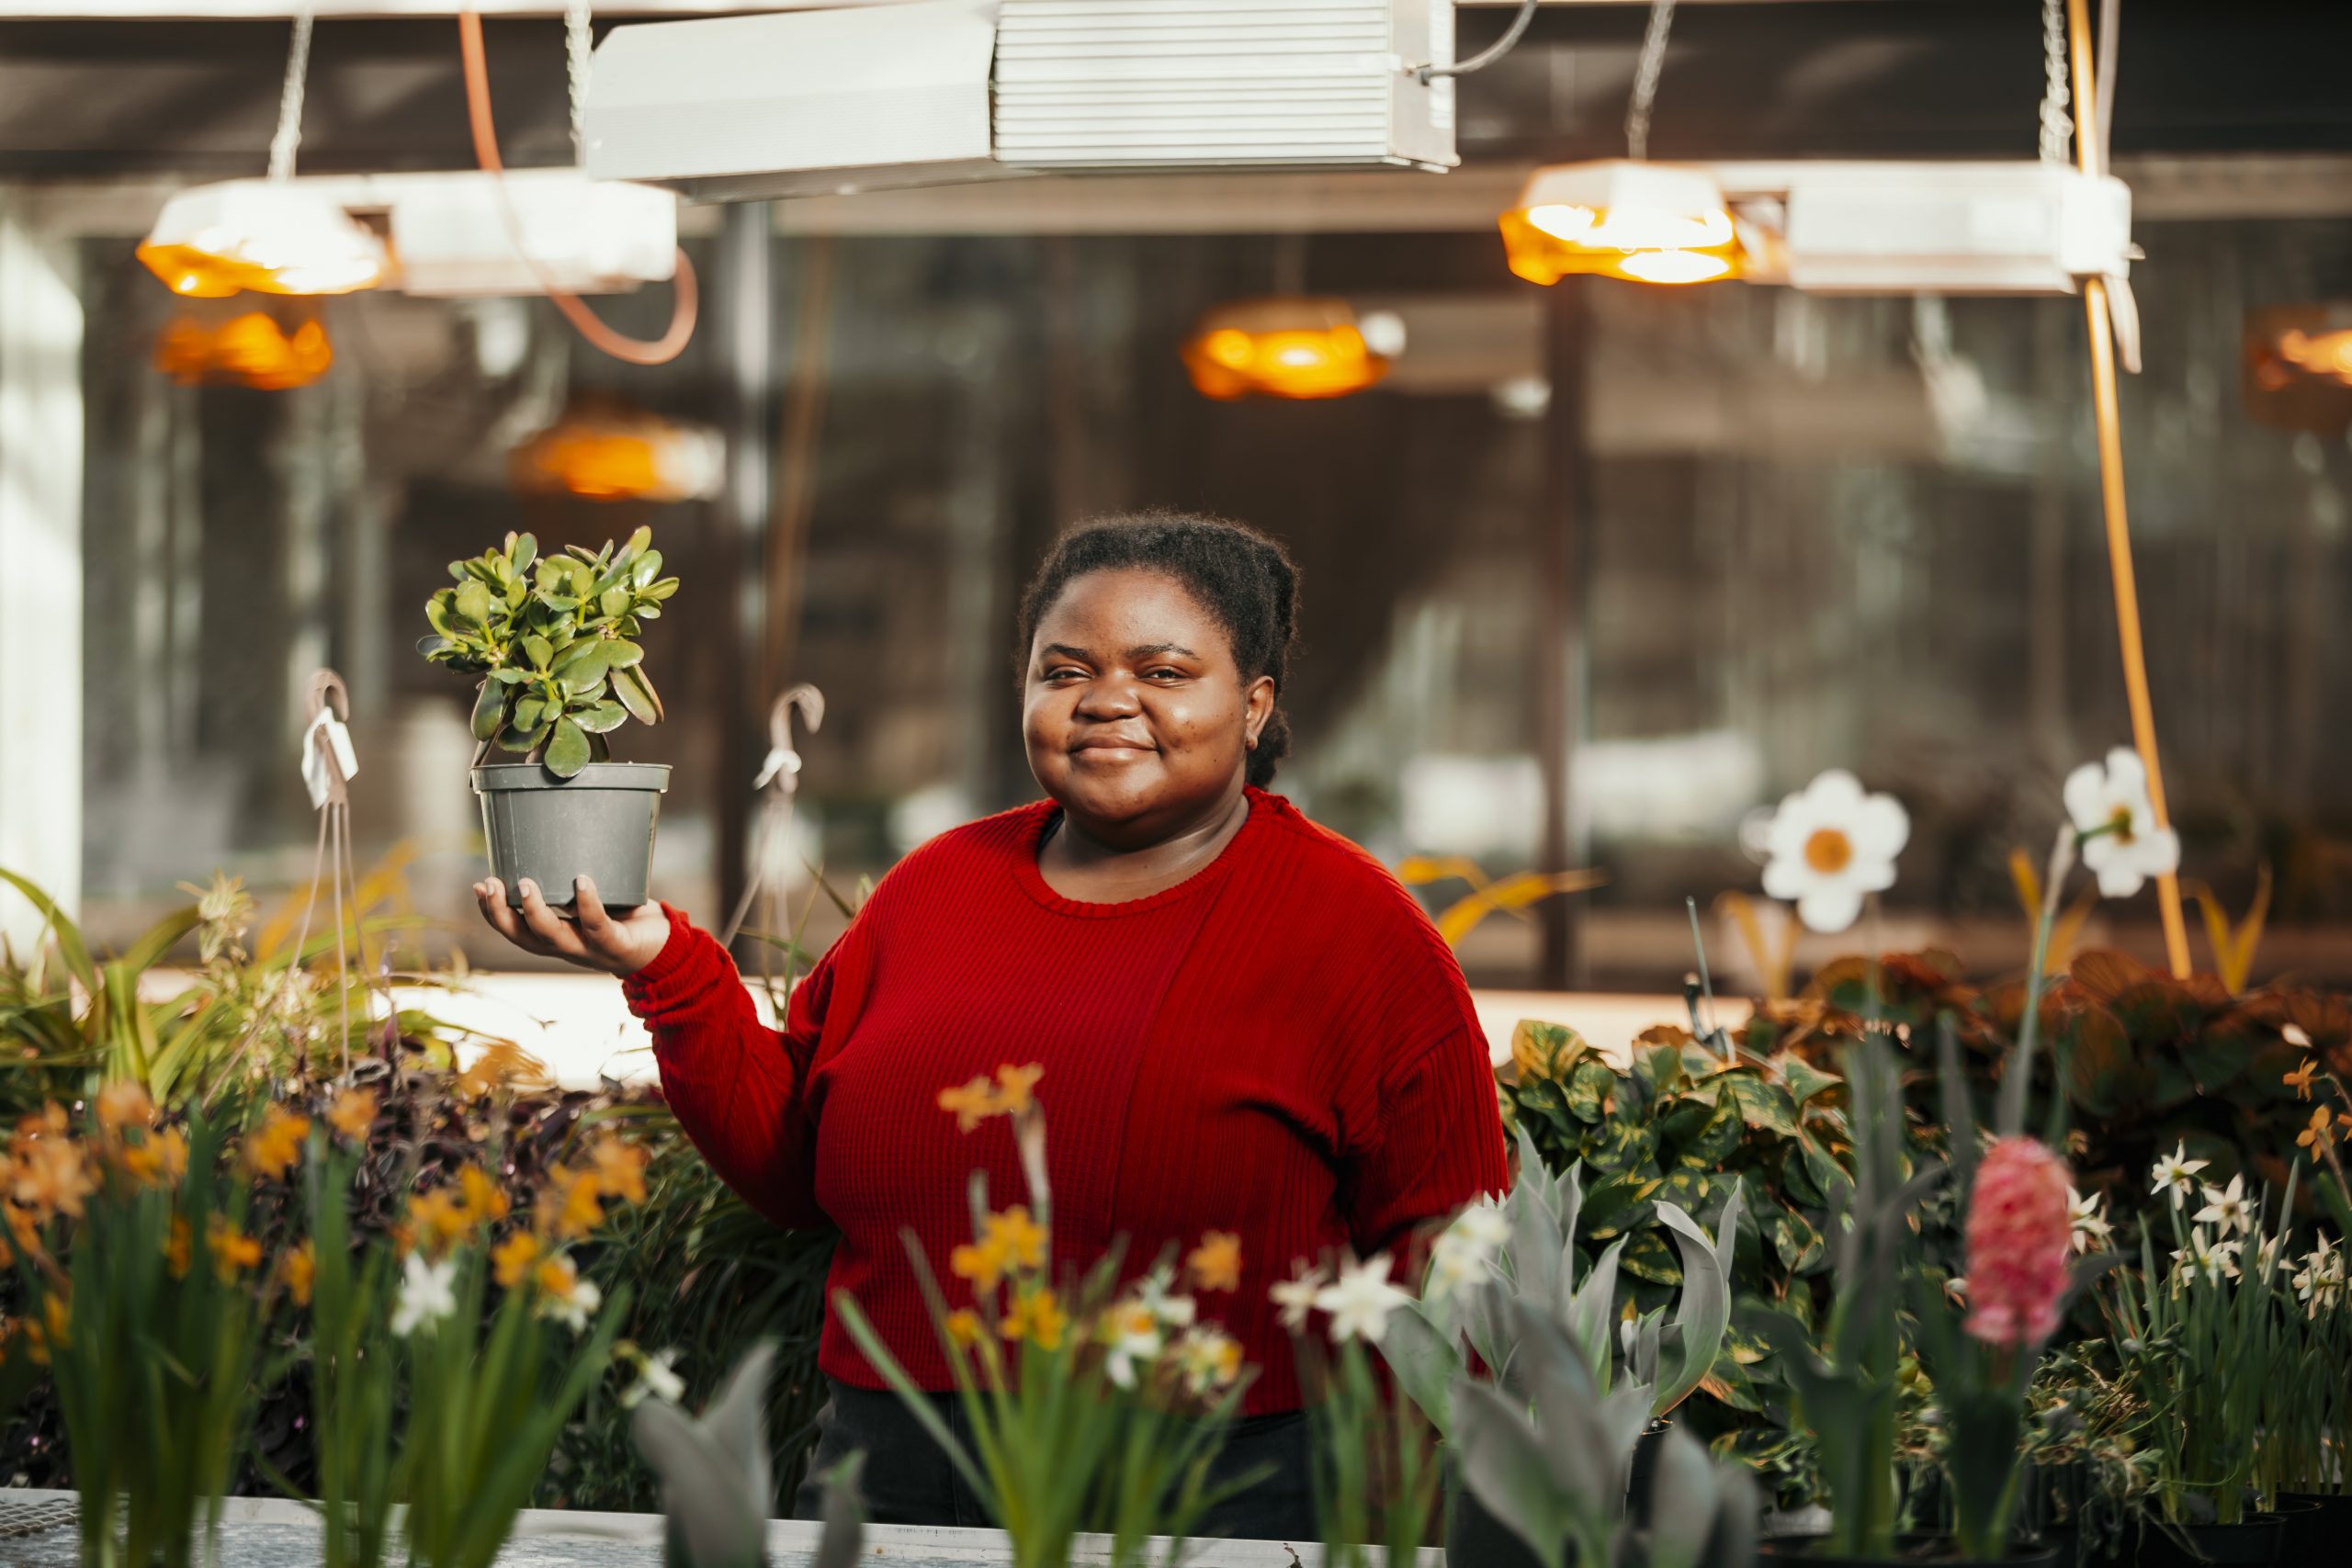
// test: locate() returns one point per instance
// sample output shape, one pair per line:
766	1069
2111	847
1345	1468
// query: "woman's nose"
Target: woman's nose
1112	696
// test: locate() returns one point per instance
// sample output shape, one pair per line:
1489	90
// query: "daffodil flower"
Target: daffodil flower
1133	1330
428	1294
1829	844
2115	824
655	1379
1296	1296
1358	1302
2227	1208
2174	1172
2088	1227
2320	1284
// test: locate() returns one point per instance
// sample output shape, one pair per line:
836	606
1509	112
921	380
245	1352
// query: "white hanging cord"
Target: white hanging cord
578	47
2110	26
1488	55
289	100
2057	126
780	779
1646	74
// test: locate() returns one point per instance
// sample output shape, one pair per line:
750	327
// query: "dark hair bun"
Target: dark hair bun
1244	578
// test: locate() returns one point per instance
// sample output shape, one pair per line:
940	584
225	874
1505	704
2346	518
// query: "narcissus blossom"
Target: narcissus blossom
1830	843
2110	808
1359	1301
2019	1233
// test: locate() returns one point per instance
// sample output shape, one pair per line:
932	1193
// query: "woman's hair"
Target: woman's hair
1241	577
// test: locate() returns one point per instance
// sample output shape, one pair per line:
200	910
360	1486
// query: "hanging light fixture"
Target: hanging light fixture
602	451
1290	346
1625	218
271	236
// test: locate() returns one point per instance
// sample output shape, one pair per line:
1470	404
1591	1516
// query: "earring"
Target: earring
1252	743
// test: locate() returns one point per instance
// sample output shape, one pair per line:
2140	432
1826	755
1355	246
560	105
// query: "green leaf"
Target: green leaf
538	650
1760	1104
614	602
620	653
1804	1079
657	591
529	711
489	709
599	718
638	541
567	749
1588	1087
433	645
637	695
437	612
473	604
648	568
523	550
582	664
513	740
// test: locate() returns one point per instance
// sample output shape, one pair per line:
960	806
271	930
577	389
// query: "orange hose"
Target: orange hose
2089	156
633	351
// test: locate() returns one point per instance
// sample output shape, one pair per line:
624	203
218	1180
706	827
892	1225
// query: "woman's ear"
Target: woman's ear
1256	707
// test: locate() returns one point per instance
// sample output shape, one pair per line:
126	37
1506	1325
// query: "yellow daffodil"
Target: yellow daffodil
353	1113
982	1263
973	1103
564	1295
231	1248
50	1176
1210	1359
297	1270
125	1104
502	1063
513	1258
2318	1137
573	1205
1216	1264
277	1142
1037	1318
963	1327
1020	1239
482	1198
2299	1080
1015	1085
620	1169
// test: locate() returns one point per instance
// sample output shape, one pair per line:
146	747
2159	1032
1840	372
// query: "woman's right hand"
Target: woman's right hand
593	938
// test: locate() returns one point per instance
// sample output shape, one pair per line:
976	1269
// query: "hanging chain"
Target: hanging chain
2057	126
579	45
289	100
1645	73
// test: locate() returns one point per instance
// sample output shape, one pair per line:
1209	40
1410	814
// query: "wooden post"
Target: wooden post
1563	528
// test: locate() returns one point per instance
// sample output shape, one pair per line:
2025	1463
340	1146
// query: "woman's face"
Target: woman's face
1136	719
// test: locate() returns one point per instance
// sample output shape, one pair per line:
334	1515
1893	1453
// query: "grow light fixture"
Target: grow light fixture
270	236
1290	346
612	454
1649	222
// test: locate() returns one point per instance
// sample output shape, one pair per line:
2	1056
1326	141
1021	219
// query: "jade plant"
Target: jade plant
554	639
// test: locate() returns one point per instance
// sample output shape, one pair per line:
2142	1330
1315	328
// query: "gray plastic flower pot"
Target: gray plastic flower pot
597	824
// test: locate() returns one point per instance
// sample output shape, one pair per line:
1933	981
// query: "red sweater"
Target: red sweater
1280	1047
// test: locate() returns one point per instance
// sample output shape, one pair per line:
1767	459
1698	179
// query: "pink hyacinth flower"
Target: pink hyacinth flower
2018	1240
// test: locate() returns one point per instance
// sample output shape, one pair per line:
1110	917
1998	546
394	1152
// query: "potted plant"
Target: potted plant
554	641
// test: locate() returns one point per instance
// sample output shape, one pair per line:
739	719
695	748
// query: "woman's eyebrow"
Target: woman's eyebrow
1147	649
1066	650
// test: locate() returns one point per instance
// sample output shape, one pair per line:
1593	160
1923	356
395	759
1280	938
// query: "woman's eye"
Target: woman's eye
1163	674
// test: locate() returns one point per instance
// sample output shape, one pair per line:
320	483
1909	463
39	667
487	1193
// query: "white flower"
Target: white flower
2174	1170
2216	1261
2083	1221
1135	1341
2321	1283
2227	1207
1359	1305
1210	1359
1171	1310
428	1294
1460	1255
572	1307
2120	841
1296	1296
656	1381
1829	844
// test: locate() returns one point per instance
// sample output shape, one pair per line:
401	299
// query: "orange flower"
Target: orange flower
2299	1080
556	1276
297	1270
50	1177
571	1207
983	1264
438	1218
620	1169
1014	1087
484	1203
178	1251
171	1152
1019	1239
963	1327
353	1113
231	1249
125	1103
278	1144
1037	1318
1216	1264
512	1257
502	1064
2318	1137
973	1103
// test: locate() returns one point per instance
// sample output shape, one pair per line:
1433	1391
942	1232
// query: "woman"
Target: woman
1246	1024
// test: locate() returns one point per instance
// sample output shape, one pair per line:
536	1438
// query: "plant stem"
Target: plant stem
2017	1080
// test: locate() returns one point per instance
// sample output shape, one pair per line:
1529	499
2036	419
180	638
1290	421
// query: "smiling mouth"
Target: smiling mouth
1112	750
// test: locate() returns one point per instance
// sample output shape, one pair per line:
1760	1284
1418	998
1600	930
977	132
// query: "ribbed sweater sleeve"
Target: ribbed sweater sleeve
736	1086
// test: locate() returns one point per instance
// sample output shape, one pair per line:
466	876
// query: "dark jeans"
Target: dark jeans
907	1479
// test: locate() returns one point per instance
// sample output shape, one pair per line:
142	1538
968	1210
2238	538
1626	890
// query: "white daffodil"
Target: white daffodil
573	1307
428	1294
1296	1296
656	1380
2121	844
2175	1171
2084	1223
1168	1310
1135	1342
1460	1255
2320	1284
1359	1301
2268	1255
2227	1208
1829	844
1209	1358
2214	1259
